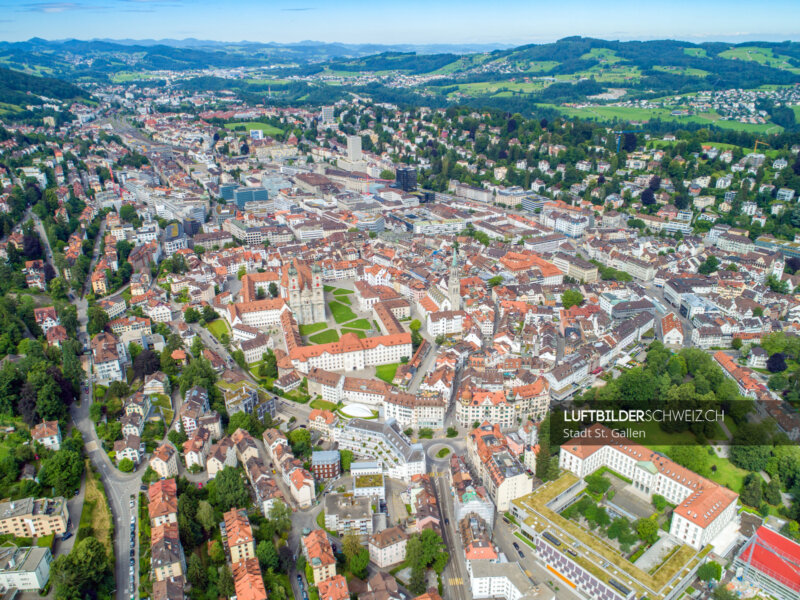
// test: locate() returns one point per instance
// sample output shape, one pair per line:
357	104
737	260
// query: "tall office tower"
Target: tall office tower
406	178
354	148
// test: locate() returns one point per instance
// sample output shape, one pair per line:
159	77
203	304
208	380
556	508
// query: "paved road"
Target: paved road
48	252
455	578
119	486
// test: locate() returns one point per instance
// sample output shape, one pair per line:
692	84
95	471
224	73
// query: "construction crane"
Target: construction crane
755	146
619	134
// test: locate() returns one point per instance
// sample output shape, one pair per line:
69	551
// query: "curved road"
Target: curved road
119	486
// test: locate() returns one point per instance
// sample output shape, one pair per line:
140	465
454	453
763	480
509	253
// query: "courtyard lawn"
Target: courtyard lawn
217	327
323	405
360	333
312	328
386	372
324	337
359	324
727	473
344	299
341	312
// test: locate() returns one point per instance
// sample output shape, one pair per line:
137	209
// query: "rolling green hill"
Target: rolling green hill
21	89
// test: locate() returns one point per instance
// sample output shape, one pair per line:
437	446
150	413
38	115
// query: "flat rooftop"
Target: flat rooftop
591	552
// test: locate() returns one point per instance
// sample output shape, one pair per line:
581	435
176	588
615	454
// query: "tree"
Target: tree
205	516
225	584
146	363
81	570
62	471
351	545
751	490
772	493
495	281
597	484
358	564
247	421
198	372
416	582
191	315
126	465
228	490
736	343
273	289
280	515
300	441
177	438
195	572
571	298
648	197
267	555
659	502
710	265
197	347
415	325
345	458
216	553
209	314
647	530
241	272
98	319
26	405
710	571
270	364
776	363
629	142
150	476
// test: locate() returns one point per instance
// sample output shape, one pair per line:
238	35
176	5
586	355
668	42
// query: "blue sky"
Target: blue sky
409	21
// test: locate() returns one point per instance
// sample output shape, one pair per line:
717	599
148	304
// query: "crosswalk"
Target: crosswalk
455	581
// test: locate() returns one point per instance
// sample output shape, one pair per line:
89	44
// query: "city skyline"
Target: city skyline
413	22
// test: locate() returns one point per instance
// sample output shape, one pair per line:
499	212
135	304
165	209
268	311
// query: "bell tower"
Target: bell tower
454	283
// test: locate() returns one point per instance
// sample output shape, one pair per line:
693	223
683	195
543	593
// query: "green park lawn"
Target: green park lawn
267	129
322	405
386	372
359	324
324	337
341	312
360	333
217	327
342	292
727	473
310	328
345	299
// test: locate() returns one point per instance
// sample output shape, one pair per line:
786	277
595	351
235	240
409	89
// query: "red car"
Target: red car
597	370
